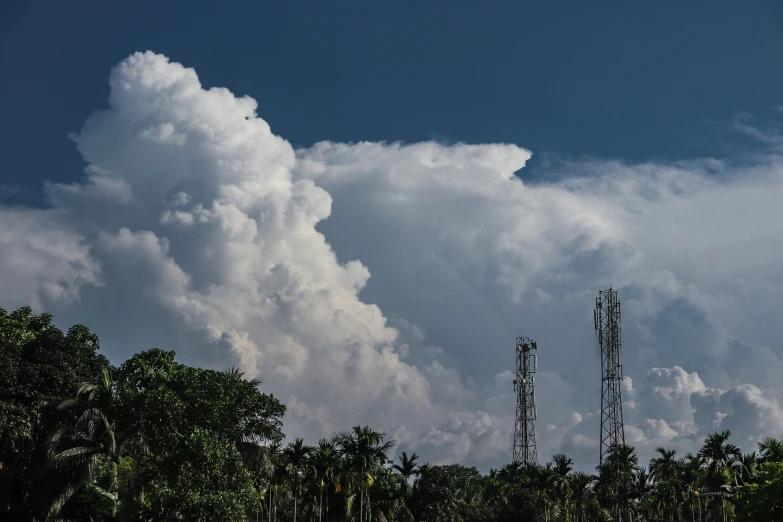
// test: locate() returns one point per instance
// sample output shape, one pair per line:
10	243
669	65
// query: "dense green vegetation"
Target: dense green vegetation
155	440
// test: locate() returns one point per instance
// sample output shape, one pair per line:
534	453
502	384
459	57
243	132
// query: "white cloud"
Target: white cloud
196	228
681	241
41	259
474	438
100	185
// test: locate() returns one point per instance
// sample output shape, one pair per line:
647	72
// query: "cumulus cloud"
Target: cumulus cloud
687	244
384	283
41	259
680	409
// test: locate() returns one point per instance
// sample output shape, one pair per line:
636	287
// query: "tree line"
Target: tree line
156	440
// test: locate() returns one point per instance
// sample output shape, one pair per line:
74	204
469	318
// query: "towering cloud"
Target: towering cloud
196	228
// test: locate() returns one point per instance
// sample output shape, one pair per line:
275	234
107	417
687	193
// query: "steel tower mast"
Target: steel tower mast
607	329
524	386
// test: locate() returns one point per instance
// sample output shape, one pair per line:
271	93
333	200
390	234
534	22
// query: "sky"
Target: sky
364	205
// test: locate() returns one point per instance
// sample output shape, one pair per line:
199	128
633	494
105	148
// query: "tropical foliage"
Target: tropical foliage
156	440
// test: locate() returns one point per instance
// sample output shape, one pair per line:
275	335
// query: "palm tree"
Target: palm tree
665	466
92	443
616	479
295	456
641	490
544	483
690	477
494	488
515	474
719	456
770	450
580	483
387	497
324	465
745	469
273	474
595	513
277	478
664	471
407	468
365	450
259	461
562	466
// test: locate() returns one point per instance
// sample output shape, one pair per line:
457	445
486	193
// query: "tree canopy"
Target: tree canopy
154	439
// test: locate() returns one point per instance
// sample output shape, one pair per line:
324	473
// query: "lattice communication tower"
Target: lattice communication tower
607	329
525	388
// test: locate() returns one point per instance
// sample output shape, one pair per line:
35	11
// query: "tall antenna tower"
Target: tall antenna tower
525	388
607	329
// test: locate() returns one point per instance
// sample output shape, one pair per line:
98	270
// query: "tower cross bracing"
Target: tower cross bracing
524	386
608	332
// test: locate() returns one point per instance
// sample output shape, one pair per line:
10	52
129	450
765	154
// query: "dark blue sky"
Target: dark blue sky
625	79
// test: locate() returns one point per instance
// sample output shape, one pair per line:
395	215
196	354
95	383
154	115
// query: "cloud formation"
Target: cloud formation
197	228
